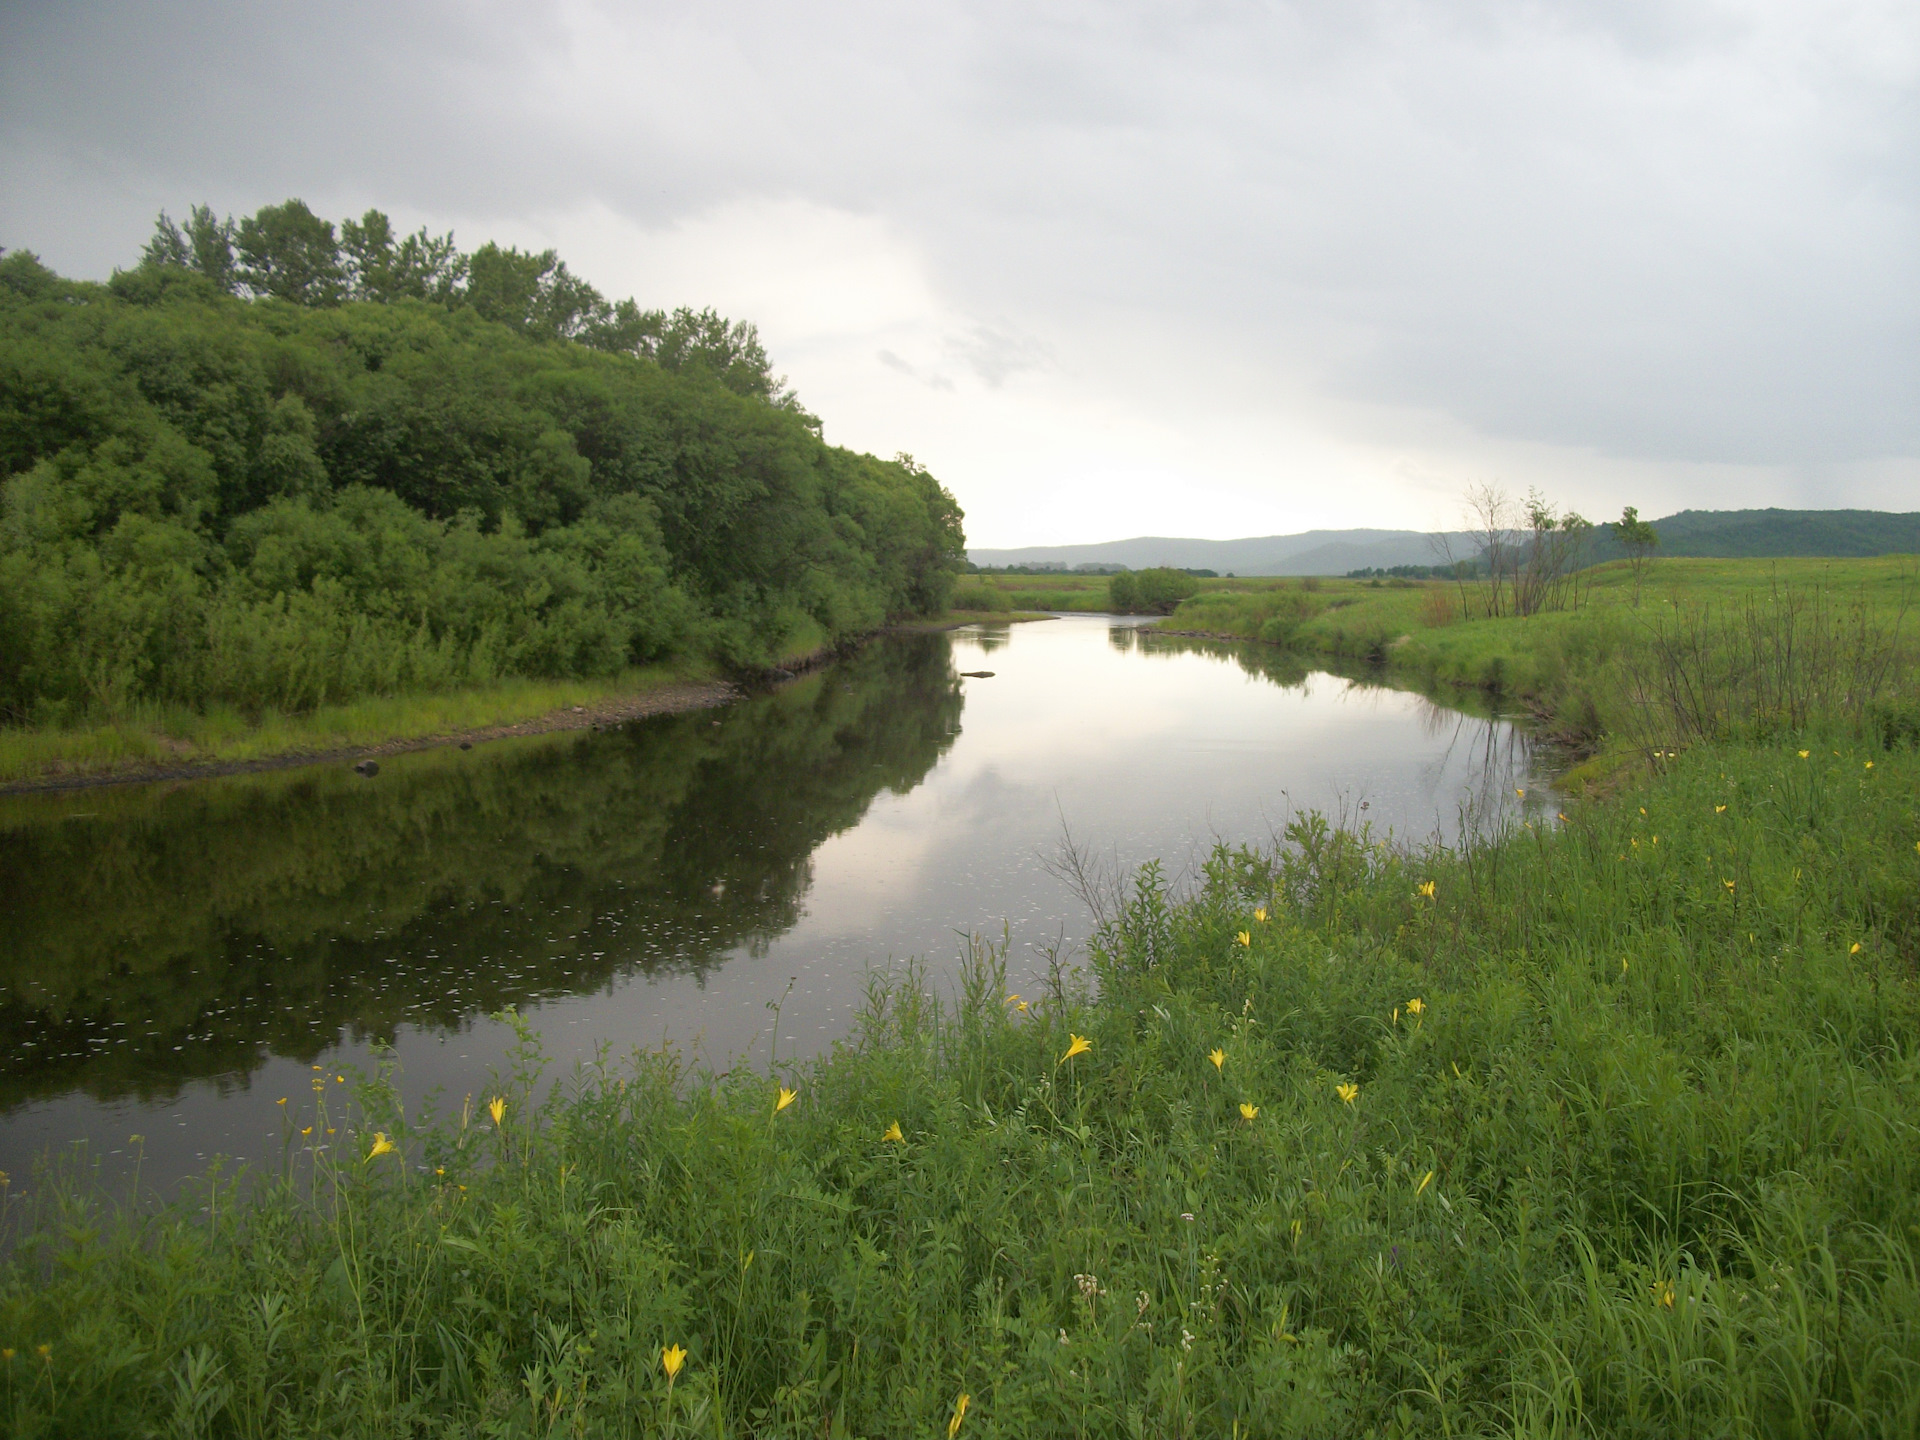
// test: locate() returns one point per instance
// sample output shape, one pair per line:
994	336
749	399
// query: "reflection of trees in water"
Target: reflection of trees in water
189	931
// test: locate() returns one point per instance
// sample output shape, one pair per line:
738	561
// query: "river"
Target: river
175	957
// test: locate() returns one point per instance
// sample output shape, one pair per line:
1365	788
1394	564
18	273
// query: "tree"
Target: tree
533	293
1638	538
205	246
290	253
382	269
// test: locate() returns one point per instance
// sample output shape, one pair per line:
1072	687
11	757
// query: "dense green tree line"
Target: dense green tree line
273	466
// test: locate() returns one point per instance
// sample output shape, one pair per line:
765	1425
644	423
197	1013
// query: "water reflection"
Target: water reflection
172	957
164	934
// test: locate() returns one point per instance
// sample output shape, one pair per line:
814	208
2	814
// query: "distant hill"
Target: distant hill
1725	534
1314	552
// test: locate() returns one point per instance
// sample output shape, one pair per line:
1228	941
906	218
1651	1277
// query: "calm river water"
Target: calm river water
174	957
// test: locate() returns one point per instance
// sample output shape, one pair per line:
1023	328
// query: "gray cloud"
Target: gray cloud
1677	232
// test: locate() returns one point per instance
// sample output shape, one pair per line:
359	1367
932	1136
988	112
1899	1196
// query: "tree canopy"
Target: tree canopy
279	463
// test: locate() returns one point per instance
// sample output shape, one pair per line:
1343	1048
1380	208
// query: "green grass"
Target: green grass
1643	1161
153	735
1596	669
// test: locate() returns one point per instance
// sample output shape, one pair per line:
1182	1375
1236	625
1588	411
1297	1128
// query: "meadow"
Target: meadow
1597	1126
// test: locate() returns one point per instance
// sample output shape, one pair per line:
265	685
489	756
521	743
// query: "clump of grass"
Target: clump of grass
1594	1128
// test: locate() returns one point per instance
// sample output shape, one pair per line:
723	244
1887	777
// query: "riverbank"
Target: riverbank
178	744
1601	1127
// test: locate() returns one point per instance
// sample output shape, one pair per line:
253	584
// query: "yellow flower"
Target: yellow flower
7	1354
671	1359
1869	764
1729	885
45	1352
281	1101
1416	1006
1663	1292
1243	938
1013	1000
1623	964
1021	1007
959	1414
1261	913
1425	890
1520	794
1719	809
1219	1058
893	1134
1425	1180
1347	1092
1803	755
787	1097
306	1130
497	1107
1854	949
381	1145
1076	1045
1248	1112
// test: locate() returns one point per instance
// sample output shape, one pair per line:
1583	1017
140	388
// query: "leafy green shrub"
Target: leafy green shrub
971	594
1150	592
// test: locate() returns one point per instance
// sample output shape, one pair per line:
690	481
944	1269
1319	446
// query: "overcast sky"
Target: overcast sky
1194	269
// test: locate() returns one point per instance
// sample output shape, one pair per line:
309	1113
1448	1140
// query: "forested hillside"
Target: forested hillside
275	466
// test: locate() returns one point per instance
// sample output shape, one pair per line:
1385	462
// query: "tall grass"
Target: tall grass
1629	1149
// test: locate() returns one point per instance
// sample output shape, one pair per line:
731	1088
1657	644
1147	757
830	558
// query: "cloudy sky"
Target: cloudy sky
1211	269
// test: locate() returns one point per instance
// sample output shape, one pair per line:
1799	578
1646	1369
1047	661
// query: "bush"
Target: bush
971	594
1150	592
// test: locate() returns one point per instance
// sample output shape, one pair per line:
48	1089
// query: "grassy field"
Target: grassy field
176	736
1743	636
1602	1129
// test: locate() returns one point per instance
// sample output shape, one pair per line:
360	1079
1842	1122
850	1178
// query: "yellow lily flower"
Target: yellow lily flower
1261	913
1425	1180
497	1108
671	1359
1248	1112
1347	1092
787	1097
1076	1045
381	1145
1416	1006
959	1414
1425	890
1243	938
1219	1058
893	1134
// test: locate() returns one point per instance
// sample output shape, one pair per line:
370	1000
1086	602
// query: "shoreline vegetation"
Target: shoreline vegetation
1603	1126
185	745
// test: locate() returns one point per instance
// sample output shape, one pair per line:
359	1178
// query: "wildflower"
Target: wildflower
439	1169
381	1145
1854	949
1643	809
1425	890
1021	1007
1296	1231
1416	1006
786	1098
1623	964
671	1359
959	1414
45	1352
893	1134
1803	755
1348	1092
1520	794
1261	913
1013	1000
1869	764
497	1108
1248	1112
1719	809
1729	885
1219	1057
281	1101
1663	1292
1425	1180
1396	1017
1076	1045
1242	938
306	1130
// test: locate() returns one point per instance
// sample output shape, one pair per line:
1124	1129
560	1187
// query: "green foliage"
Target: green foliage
206	501
1150	592
1638	1162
